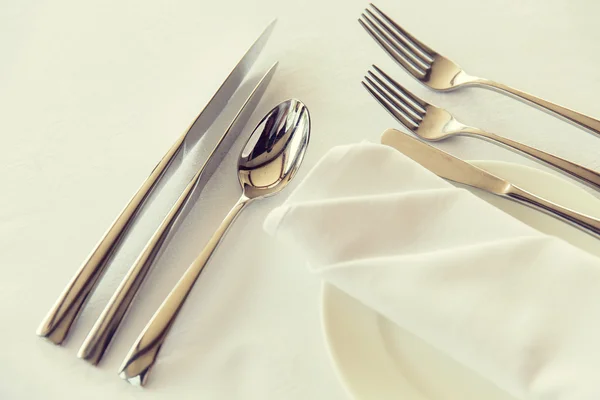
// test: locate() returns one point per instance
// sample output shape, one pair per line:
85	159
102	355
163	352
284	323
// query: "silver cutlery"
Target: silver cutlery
440	73
269	160
99	338
454	169
57	324
433	123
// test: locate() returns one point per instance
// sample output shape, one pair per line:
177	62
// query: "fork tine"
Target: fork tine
402	43
380	38
390	105
402	89
426	50
398	98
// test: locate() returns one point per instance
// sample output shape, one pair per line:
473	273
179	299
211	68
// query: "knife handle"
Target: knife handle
101	334
584	222
582	174
56	325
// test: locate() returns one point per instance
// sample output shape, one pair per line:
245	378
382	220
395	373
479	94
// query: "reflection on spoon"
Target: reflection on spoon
267	163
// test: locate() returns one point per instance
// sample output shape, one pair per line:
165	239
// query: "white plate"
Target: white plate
376	359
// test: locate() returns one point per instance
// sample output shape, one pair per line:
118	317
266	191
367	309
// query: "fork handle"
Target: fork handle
578	119
57	324
584	222
582	174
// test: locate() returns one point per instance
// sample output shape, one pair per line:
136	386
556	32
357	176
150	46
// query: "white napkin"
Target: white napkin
520	307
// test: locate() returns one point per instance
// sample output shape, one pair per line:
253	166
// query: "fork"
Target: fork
440	73
433	123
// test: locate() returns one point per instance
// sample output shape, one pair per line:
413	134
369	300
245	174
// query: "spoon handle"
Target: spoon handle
143	353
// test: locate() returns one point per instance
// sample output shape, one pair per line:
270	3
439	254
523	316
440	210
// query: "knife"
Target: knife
99	338
56	325
456	170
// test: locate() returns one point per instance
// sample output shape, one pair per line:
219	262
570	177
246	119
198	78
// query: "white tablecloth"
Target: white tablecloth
93	94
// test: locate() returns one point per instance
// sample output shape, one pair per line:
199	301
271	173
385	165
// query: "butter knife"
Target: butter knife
56	325
456	170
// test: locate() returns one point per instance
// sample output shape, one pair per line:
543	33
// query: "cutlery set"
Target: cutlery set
432	123
99	337
269	160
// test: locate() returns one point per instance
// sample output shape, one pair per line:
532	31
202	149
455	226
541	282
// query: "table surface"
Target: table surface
94	93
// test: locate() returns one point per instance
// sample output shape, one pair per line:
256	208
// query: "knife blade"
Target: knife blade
456	170
56	325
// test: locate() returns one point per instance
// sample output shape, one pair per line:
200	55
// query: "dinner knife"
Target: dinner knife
99	338
456	170
56	325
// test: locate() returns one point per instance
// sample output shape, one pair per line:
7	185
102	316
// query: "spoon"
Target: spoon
269	160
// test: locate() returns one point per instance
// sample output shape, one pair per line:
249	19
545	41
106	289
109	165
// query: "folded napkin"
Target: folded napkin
520	307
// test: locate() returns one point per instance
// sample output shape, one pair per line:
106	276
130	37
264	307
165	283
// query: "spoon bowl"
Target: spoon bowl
275	150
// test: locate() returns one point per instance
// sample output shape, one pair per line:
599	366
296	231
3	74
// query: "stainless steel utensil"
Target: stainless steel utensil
450	167
56	325
104	329
433	123
267	163
440	73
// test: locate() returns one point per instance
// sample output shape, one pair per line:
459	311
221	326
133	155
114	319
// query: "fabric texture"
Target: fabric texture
518	306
